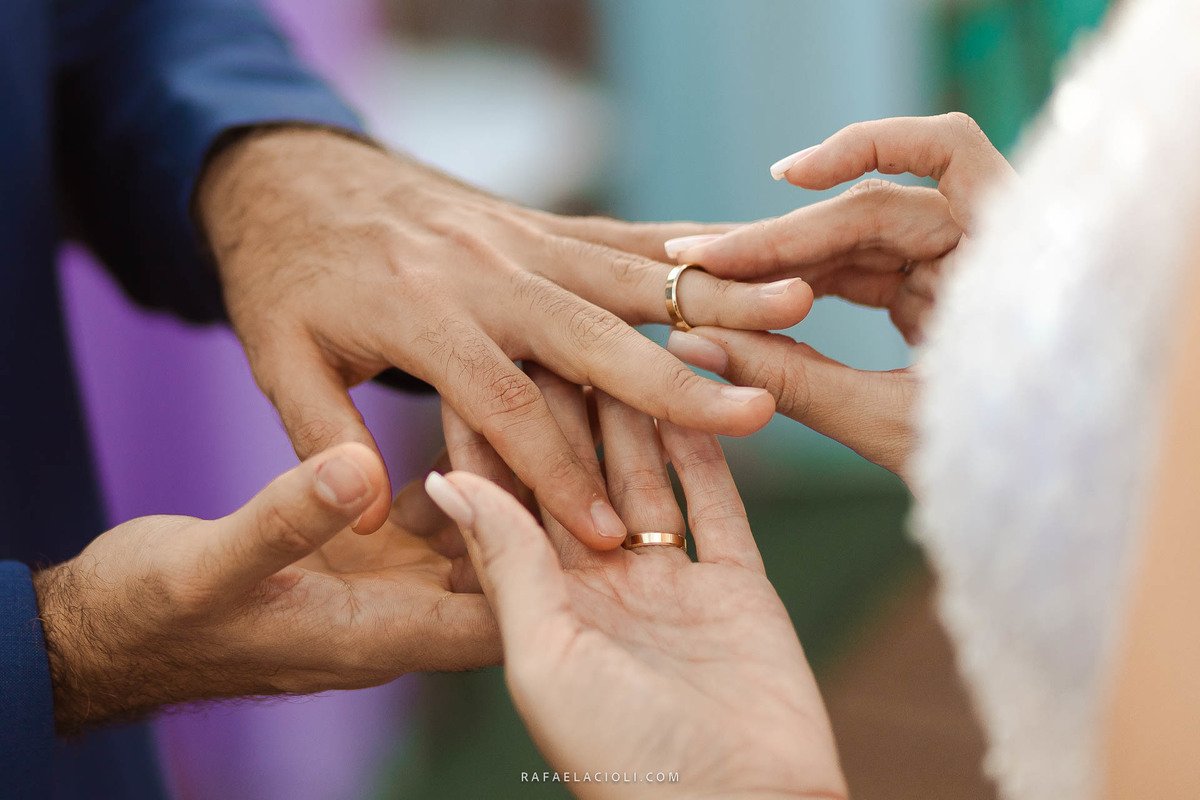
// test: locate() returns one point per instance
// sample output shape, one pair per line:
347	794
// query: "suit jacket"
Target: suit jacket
107	111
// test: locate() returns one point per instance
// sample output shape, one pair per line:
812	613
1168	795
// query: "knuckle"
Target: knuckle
628	269
559	467
591	328
762	372
792	394
314	434
700	457
681	379
646	482
767	235
511	398
962	124
624	268
874	197
712	507
543	295
464	346
479	247
872	190
856	131
282	532
780	373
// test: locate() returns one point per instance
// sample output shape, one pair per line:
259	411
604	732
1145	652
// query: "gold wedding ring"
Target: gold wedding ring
655	539
672	295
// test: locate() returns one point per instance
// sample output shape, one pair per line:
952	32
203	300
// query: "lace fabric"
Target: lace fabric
1042	381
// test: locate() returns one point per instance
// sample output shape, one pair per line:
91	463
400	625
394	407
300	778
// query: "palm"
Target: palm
654	643
419	608
639	662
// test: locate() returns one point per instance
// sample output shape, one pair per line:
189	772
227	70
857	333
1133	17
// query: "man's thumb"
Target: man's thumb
297	513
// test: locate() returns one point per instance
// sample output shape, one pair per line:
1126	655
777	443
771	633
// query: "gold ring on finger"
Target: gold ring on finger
655	539
672	295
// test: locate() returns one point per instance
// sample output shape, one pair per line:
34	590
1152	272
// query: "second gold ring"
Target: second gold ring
655	539
674	312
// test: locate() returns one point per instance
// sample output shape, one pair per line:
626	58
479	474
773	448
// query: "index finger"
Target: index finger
950	148
317	413
498	400
640	238
874	219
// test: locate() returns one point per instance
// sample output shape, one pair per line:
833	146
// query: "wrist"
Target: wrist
253	175
67	625
105	662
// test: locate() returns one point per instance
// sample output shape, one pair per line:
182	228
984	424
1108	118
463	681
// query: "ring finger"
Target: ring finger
632	286
638	483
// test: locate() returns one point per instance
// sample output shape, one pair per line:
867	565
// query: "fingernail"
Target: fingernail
698	351
607	523
449	499
741	394
341	482
777	287
784	164
676	246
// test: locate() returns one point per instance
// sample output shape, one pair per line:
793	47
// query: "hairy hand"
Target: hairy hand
339	260
167	609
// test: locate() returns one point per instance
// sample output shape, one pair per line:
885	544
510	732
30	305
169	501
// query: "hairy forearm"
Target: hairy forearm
84	644
108	664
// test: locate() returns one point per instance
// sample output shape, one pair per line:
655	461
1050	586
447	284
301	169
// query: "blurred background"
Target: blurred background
646	109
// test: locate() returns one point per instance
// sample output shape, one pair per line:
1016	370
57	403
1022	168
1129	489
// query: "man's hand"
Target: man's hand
642	661
878	244
339	260
164	610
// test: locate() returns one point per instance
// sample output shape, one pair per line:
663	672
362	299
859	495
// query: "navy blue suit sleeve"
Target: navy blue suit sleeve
144	88
26	699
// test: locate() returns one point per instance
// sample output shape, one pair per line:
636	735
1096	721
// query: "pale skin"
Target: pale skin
1152	741
340	260
644	661
878	244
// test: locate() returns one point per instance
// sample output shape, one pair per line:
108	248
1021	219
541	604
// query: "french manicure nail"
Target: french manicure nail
698	351
741	394
341	482
449	499
607	523
784	164
776	288
676	246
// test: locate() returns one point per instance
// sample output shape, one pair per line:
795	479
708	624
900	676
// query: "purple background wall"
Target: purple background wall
179	427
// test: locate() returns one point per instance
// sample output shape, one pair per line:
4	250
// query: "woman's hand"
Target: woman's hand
168	609
643	662
339	261
879	244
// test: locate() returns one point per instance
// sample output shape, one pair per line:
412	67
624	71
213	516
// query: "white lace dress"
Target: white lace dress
1043	377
